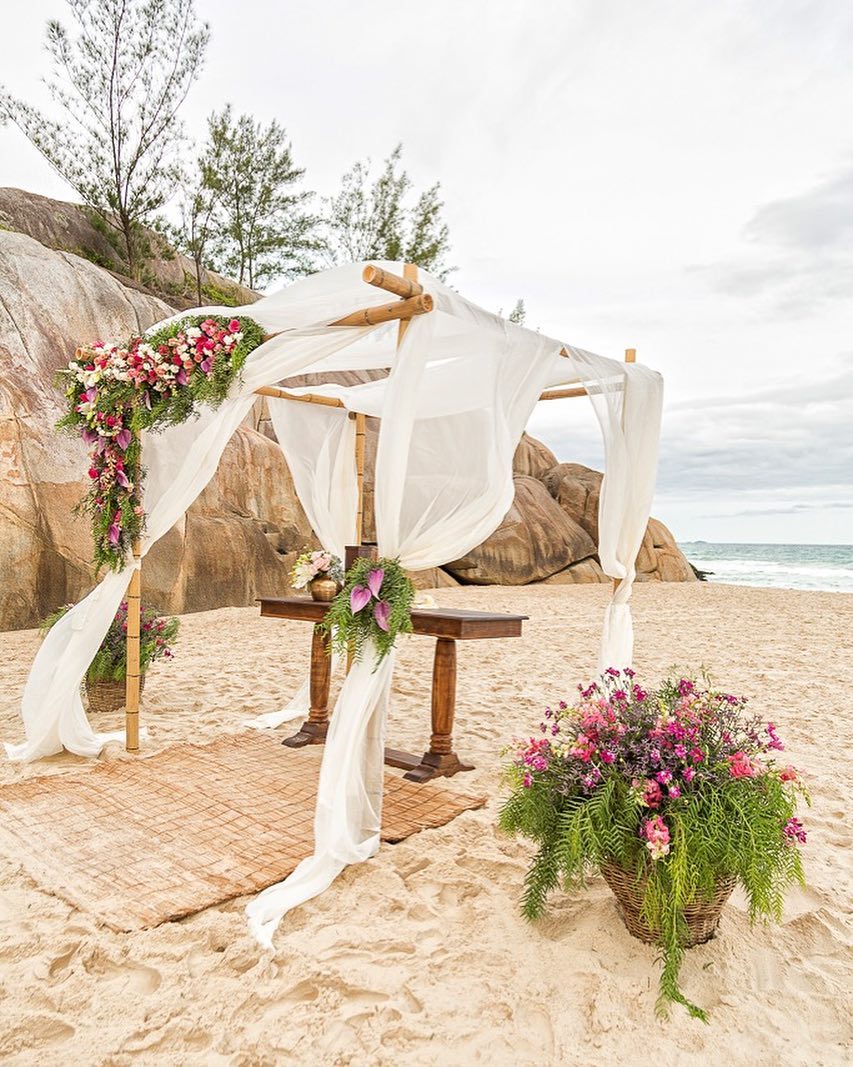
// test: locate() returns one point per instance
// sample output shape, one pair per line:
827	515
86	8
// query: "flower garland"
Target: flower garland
114	391
374	605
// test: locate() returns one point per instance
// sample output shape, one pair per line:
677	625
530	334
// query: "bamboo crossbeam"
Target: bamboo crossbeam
131	701
561	394
399	309
392	283
302	398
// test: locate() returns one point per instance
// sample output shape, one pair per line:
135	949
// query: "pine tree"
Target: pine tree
265	230
120	83
371	219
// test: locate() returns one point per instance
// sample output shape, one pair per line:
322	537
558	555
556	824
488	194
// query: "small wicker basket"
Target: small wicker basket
702	916
106	696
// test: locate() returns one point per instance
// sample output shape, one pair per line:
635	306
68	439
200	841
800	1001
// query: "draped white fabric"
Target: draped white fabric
461	388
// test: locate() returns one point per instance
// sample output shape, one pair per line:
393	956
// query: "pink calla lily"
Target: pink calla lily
114	533
358	598
374	581
381	611
122	480
123	439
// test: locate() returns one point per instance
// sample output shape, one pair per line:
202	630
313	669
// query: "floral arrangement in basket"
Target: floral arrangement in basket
115	390
107	672
673	794
318	564
374	606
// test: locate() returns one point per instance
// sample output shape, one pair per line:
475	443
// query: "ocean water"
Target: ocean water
826	567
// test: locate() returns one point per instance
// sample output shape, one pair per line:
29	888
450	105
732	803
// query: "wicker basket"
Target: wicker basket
702	916
108	696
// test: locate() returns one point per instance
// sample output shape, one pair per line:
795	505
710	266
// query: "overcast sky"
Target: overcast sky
674	176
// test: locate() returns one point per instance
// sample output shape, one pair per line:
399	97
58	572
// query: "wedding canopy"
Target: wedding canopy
461	386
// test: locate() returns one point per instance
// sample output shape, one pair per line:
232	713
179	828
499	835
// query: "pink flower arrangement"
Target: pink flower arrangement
114	390
362	596
311	565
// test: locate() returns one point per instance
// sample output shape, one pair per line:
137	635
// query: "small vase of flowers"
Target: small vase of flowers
107	673
672	794
321	572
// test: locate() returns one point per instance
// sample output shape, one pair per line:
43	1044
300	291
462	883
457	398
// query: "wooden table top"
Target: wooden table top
454	623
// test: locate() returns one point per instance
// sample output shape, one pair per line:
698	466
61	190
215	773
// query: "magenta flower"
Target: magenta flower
794	831
358	598
89	436
114	533
205	365
181	377
122	479
123	439
374	581
381	611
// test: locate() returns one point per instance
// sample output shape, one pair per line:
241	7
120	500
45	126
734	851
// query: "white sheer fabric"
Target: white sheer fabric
443	483
460	391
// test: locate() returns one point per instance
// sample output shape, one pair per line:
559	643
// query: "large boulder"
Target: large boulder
535	540
532	457
238	538
577	489
74	228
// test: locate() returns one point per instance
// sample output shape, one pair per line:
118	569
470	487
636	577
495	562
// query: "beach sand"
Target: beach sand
420	956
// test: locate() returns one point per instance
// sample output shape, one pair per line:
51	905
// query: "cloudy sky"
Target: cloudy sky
670	175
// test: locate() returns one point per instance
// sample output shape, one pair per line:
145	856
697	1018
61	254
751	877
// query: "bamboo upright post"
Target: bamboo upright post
360	440
630	355
131	710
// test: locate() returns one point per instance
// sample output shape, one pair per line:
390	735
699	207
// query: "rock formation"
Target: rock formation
49	301
240	537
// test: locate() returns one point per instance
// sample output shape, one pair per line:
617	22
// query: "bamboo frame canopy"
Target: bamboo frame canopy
461	387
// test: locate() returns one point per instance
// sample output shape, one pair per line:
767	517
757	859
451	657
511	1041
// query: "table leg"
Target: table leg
440	760
313	730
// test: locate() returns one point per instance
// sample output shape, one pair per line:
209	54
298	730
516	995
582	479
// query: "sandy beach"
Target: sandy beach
420	956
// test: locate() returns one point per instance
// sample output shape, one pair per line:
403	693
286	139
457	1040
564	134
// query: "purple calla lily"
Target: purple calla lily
122	480
91	394
381	611
374	581
114	533
89	436
123	439
358	598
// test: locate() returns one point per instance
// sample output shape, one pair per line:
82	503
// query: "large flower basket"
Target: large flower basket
105	696
701	917
673	794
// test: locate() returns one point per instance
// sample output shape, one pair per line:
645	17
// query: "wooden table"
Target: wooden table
447	626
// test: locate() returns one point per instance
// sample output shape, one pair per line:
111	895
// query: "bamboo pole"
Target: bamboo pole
399	309
630	355
561	394
131	709
360	439
303	398
392	283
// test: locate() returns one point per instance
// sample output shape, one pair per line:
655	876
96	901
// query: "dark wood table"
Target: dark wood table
447	626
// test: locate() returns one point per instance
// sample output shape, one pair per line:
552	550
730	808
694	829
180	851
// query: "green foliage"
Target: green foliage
119	85
370	219
720	826
156	636
356	631
260	229
518	314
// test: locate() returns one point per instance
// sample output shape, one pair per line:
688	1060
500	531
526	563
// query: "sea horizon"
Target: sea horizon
774	564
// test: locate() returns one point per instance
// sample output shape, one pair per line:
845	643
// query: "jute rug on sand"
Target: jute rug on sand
140	842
